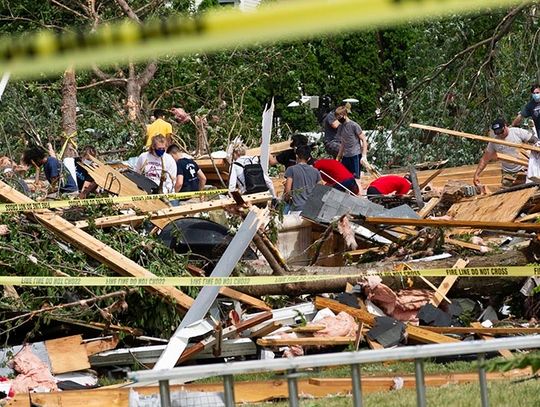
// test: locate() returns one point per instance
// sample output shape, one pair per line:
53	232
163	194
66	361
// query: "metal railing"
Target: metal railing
354	359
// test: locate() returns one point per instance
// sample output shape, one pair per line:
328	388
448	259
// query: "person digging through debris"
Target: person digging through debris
158	166
58	176
85	182
512	174
336	175
300	179
389	184
247	174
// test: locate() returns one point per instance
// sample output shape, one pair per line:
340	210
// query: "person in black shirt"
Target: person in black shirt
288	157
189	177
85	182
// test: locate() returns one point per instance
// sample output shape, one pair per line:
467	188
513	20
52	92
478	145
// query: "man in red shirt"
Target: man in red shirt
390	183
336	175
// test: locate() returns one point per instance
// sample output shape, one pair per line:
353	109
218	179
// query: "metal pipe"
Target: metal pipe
420	385
356	385
483	381
228	386
164	393
293	388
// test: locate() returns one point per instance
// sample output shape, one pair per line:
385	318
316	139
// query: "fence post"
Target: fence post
482	379
420	385
228	386
356	385
164	393
293	388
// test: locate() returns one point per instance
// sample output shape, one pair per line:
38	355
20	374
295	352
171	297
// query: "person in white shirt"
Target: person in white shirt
158	166
236	175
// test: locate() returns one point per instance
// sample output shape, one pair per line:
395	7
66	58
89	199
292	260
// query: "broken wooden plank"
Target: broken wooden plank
96	249
503	207
512	159
246	299
177	212
416	187
266	329
100	326
67	354
476	137
428	207
307	328
453	224
109	221
100	345
447	283
430	178
468	245
315	341
414	332
506	353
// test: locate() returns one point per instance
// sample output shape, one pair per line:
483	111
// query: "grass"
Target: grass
372	369
501	394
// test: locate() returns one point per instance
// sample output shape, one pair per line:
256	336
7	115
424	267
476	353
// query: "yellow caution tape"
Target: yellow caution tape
513	271
32	206
47	52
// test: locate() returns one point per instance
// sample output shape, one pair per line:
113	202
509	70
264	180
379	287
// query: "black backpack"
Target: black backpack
254	177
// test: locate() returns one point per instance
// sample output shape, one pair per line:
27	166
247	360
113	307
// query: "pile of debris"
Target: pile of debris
336	234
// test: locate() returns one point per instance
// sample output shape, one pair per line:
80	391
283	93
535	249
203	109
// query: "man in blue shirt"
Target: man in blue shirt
59	178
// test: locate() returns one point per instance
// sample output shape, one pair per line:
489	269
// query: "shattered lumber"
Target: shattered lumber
512	226
466	330
475	137
96	249
413	332
176	212
315	341
447	284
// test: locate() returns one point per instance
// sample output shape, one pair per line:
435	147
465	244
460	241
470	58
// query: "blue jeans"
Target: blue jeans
353	164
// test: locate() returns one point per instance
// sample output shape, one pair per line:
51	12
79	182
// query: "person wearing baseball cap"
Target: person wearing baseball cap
512	173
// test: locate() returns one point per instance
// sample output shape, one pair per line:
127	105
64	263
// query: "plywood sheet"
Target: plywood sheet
67	354
502	207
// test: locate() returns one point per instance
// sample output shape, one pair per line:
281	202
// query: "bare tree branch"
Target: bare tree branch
62	5
146	76
128	10
111	81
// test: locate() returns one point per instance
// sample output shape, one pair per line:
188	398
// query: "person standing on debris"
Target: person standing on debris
354	146
512	174
331	141
85	182
247	174
531	109
390	184
300	179
189	177
288	157
336	175
58	176
158	126
158	166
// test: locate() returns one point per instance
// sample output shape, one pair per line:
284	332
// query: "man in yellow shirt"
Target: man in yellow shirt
158	126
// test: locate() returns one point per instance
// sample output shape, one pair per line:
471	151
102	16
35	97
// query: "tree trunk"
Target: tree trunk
69	109
464	286
133	90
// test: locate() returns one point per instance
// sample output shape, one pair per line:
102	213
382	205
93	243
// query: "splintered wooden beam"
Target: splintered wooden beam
466	330
475	137
315	341
506	353
413	332
513	226
176	212
447	283
512	159
96	249
275	148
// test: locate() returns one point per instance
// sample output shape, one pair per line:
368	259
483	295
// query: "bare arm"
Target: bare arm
335	124
288	189
517	121
179	182
487	157
202	179
364	143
